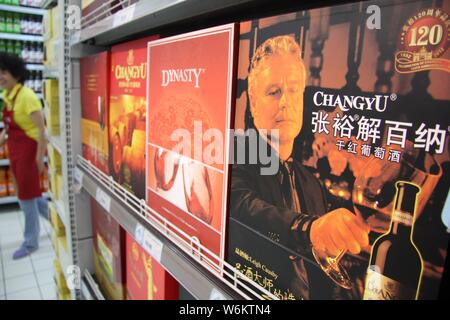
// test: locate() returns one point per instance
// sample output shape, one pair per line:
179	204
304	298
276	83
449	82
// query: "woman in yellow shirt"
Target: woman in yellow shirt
25	136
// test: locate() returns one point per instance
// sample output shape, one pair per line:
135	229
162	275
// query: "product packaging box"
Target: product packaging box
94	74
356	206
54	159
146	278
189	116
51	97
56	221
109	252
11	183
127	114
3	182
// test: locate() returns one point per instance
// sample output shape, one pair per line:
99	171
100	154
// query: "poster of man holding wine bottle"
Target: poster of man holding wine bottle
356	209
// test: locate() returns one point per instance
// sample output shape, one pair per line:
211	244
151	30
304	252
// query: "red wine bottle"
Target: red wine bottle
395	268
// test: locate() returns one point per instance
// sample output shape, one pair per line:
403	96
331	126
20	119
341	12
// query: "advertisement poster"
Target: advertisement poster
94	109
358	97
127	114
189	106
146	278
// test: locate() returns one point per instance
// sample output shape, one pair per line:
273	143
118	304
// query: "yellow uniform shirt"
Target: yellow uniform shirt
26	103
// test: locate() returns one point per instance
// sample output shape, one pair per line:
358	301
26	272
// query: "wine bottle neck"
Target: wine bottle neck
402	223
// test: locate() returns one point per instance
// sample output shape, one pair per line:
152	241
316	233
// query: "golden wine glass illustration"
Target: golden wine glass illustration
166	168
197	190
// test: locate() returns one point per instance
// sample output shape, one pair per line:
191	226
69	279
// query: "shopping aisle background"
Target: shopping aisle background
30	278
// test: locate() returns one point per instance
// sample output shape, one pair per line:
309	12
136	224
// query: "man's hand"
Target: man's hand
339	230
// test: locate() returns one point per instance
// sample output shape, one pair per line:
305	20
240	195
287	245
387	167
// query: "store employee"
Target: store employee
24	134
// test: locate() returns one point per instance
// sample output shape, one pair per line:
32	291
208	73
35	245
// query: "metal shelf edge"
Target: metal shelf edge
21	37
196	279
21	9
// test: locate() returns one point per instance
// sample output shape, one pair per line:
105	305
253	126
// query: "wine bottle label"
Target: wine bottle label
402	217
380	287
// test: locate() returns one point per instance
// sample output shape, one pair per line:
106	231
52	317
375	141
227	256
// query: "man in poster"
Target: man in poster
289	208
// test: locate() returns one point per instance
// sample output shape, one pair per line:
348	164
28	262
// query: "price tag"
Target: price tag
78	175
152	245
124	16
103	199
139	234
216	295
76	36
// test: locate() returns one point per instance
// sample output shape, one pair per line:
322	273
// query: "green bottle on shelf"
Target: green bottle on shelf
16	23
2	46
2	21
15	2
18	48
9	23
10	47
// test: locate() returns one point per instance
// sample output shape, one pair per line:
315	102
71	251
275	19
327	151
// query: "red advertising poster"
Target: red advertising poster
146	278
353	102
127	114
94	76
189	106
109	252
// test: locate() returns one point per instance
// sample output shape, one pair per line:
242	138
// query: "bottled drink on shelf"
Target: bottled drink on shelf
10	47
24	24
2	21
395	268
9	22
18	48
16	23
26	52
2	46
38	82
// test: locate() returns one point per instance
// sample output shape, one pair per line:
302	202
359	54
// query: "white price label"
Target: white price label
216	295
124	16
103	199
78	175
152	245
76	36
139	234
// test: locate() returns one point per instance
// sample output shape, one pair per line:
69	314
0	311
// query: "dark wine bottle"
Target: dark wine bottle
395	268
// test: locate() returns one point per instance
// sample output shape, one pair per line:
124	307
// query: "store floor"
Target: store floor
30	278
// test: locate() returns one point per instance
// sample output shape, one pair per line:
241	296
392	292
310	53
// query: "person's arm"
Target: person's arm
337	230
247	206
38	121
2	137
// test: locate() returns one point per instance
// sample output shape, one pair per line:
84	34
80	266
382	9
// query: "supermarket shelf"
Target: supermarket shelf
56	142
8	200
89	288
59	205
47	4
146	15
184	259
20	9
51	73
21	37
13	199
6	162
37	67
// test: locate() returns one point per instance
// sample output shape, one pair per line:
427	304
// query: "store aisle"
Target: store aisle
30	278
